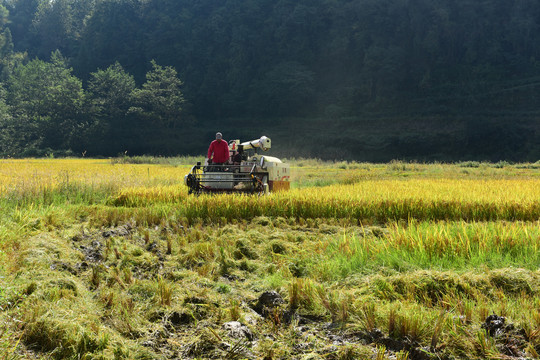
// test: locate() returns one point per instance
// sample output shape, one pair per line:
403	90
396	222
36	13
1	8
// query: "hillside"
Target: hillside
148	76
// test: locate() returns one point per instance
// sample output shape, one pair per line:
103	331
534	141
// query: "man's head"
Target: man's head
219	136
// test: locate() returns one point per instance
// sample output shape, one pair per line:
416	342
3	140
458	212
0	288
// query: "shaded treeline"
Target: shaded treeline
263	61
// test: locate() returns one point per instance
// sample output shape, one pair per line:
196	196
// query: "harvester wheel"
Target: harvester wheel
192	183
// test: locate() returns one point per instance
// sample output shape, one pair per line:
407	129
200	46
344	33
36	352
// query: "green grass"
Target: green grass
446	246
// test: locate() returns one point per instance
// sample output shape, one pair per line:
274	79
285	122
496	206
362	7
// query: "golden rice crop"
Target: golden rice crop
512	195
451	199
20	175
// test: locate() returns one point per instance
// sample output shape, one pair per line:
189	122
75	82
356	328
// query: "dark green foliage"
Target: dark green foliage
286	89
21	14
159	102
112	33
329	60
55	27
110	92
6	124
46	104
109	99
8	58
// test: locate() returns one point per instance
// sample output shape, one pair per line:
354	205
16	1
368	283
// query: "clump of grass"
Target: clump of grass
96	276
381	351
8	343
368	316
302	294
486	346
402	355
437	331
411	326
278	247
336	303
352	352
204	343
244	250
165	292
398	165
234	310
65	338
469	164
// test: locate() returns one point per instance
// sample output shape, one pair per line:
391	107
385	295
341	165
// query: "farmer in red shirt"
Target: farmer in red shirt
220	149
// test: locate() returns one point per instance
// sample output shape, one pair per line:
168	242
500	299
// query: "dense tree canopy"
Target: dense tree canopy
47	99
144	62
160	99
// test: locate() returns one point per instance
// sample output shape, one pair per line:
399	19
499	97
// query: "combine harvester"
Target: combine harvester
247	172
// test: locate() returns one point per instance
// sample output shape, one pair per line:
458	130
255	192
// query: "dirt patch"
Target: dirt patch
510	340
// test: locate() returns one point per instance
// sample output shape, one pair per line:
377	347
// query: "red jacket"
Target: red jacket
220	148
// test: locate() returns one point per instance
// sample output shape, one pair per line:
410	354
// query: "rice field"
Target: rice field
112	259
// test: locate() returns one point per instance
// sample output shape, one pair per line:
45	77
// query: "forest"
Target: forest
367	80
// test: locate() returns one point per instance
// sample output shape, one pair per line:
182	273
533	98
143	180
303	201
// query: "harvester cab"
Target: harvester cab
246	172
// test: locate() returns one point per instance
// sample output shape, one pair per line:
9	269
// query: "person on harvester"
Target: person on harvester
218	152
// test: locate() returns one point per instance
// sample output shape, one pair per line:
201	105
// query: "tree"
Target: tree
52	26
4	14
58	24
21	15
6	44
109	93
48	99
8	143
109	99
113	32
160	100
